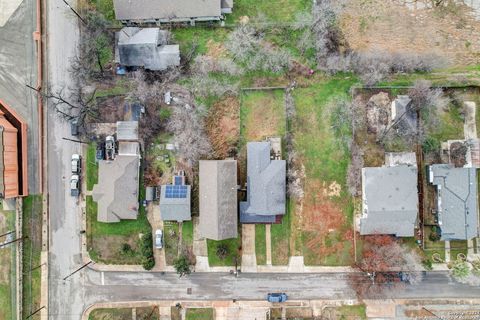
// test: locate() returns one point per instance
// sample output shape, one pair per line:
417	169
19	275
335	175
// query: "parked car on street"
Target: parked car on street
75	185
76	163
277	297
100	151
158	239
74	127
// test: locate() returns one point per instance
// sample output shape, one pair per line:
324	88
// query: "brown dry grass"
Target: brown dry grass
109	248
216	49
223	126
388	25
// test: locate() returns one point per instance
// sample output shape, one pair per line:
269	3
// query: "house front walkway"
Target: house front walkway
268	241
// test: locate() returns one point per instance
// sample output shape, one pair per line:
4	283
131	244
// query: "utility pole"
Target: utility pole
73	140
433	314
76	13
34	312
19	239
84	266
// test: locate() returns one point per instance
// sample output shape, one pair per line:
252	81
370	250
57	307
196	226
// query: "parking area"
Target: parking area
18	68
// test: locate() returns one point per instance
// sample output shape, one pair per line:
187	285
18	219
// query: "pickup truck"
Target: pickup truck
75	185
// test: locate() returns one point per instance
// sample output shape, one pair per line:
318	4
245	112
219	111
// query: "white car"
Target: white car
158	239
75	185
76	163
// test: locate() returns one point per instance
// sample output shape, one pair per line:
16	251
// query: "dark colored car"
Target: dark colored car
277	297
100	152
74	127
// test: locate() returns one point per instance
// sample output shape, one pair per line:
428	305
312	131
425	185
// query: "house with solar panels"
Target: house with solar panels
175	200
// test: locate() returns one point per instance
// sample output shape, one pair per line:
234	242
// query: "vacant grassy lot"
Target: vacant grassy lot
262	114
325	219
105	240
32	247
199	314
91	166
232	251
260	244
7	268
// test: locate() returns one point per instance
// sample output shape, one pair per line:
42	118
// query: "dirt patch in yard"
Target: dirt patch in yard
109	248
216	49
223	127
450	31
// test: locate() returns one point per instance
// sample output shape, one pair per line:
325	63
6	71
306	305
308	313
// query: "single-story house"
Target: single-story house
147	48
164	11
390	198
457	207
175	200
117	190
218	199
266	186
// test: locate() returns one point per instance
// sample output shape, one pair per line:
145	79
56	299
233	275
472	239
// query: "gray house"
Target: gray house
457	206
159	11
389	200
175	200
266	186
118	180
117	190
147	48
218	199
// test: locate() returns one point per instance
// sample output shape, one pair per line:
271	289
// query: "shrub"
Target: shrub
427	264
148	263
222	251
126	249
434	236
182	265
431	145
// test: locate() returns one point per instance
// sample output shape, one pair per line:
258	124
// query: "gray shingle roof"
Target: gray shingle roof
456	201
146	47
177	10
175	209
390	200
266	183
117	190
218	199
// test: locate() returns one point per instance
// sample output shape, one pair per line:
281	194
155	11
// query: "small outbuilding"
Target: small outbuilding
218	199
147	48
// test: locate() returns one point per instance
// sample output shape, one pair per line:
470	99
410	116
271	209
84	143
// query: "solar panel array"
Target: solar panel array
178	180
178	192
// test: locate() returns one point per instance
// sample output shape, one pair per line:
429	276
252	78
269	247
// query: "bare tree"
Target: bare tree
203	65
385	267
186	124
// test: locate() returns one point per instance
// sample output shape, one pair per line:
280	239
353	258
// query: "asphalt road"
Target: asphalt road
68	299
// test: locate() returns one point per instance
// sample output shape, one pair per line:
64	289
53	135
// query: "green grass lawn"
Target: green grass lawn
356	312
111	314
104	240
456	247
280	11
199	38
187	233
199	314
326	159
91	166
232	251
32	247
7	268
280	236
171	239
432	247
260	244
